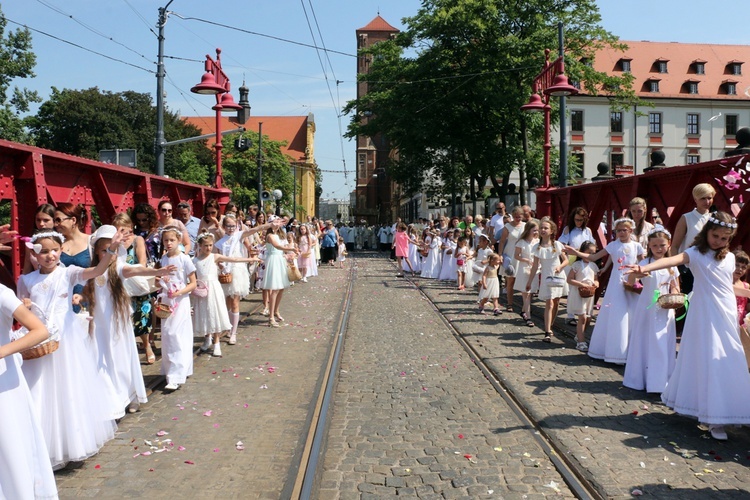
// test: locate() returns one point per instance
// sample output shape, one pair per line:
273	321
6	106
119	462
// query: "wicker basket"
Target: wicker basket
39	350
671	300
162	311
225	278
586	291
632	289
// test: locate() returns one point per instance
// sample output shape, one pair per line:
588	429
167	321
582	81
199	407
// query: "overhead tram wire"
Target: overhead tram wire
337	101
26	26
143	19
93	30
255	33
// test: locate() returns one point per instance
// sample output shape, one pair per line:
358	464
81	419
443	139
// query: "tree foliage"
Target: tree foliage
240	171
16	61
447	91
83	122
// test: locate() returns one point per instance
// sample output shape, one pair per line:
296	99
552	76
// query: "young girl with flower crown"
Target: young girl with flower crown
551	259
581	274
210	317
609	341
710	376
70	396
490	285
652	345
109	303
177	329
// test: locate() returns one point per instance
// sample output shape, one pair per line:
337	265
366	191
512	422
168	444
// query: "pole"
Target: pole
294	190
218	145
260	166
563	181
160	73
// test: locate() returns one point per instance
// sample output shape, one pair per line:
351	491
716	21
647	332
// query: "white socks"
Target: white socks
234	318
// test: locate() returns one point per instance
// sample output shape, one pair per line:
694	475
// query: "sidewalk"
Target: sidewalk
625	439
413	417
259	394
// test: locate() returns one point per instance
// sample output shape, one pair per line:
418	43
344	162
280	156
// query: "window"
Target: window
700	68
692	87
578	159
615	121
616	160
736	68
576	120
693	126
361	163
653	85
625	64
662	66
692	159
731	88
654	123
731	124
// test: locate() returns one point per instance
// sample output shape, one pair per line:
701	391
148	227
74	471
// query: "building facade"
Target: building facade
375	191
699	96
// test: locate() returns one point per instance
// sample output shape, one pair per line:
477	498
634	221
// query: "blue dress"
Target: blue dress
81	259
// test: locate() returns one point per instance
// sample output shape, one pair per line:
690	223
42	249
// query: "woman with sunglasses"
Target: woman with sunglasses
165	210
211	220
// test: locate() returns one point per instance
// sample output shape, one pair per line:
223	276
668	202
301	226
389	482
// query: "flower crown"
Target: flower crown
730	225
47	234
659	229
623	220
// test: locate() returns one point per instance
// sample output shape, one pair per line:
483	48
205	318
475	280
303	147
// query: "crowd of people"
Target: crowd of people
83	300
651	274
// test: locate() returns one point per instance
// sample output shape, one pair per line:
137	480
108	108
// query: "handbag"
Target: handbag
293	273
201	289
225	278
137	286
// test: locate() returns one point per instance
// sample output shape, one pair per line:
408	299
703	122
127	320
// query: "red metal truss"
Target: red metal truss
668	190
30	176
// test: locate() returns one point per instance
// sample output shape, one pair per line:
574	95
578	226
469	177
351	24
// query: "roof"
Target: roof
680	59
379	24
292	129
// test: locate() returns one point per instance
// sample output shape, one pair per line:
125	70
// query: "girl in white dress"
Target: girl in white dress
609	341
177	329
479	261
25	470
109	304
306	259
710	379
275	279
461	254
414	258
70	396
651	353
448	270
431	265
524	259
549	256
582	273
490	285
210	317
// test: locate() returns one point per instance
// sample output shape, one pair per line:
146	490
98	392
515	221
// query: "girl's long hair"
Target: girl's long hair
528	229
120	298
658	234
552	230
638	229
723	221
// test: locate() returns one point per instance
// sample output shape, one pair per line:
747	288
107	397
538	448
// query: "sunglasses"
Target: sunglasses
166	210
58	220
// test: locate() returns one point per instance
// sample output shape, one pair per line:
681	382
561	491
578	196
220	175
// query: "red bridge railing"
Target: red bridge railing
668	190
30	176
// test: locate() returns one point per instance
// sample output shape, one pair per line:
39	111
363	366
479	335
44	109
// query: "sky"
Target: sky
285	79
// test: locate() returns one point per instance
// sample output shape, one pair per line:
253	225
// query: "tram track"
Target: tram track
577	478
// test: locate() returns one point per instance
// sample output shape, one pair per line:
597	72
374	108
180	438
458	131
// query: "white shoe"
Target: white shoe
232	339
217	350
304	280
266	312
133	406
206	344
171	387
718	432
582	346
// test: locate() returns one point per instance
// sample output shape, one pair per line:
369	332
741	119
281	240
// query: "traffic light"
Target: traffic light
242	143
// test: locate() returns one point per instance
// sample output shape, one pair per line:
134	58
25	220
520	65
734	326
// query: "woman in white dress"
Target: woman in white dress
609	341
25	470
210	317
710	379
74	415
275	279
507	249
525	258
432	263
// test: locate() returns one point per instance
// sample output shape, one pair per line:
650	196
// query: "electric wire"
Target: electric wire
92	29
264	35
143	19
26	26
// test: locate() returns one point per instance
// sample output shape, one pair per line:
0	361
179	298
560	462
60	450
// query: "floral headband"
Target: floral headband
660	229
730	225
624	220
37	247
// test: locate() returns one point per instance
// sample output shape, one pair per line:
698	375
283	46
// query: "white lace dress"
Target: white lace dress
210	312
232	246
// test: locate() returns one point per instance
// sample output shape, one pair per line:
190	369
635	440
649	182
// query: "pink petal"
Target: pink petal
162	433
181	448
189	462
207	414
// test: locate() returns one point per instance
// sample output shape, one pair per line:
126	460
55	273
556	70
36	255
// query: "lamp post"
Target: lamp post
216	82
277	195
551	82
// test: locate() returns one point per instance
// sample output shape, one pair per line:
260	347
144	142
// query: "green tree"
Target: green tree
240	171
453	108
16	61
83	122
